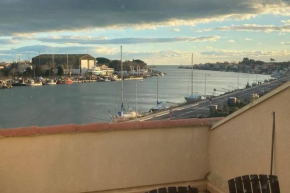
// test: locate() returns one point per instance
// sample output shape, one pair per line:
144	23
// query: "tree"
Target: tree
6	71
38	71
102	60
59	71
138	61
116	64
28	72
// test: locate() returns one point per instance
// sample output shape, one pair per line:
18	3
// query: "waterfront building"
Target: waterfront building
77	64
4	65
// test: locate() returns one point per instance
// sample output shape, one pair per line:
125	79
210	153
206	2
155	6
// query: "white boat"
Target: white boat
193	97
4	85
124	114
97	71
107	80
32	83
134	78
50	82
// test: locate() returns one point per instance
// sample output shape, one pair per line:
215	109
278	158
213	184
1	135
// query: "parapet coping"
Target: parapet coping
97	127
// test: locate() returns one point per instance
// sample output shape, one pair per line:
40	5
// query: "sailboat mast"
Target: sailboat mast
192	74
53	59
157	88
67	62
122	88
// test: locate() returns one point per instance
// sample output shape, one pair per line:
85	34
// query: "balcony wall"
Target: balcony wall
103	157
241	143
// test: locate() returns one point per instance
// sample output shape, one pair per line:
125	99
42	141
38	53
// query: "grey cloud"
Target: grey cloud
81	40
8	41
231	53
27	16
252	27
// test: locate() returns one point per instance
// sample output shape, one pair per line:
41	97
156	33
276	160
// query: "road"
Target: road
200	109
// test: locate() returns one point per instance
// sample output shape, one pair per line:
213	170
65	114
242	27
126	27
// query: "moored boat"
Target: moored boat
33	83
4	85
124	114
159	105
64	81
50	82
193	97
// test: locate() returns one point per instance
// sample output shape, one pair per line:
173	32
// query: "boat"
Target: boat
193	97
50	82
4	85
64	81
107	79
104	80
124	114
115	78
33	83
19	82
96	71
134	78
160	105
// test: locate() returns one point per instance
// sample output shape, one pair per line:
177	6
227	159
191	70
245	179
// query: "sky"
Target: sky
160	32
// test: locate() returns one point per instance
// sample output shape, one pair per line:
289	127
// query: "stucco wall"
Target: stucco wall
103	160
242	145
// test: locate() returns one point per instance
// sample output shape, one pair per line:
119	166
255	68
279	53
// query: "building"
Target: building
4	65
71	63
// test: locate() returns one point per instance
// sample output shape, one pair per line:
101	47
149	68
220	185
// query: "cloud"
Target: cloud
248	39
8	41
231	41
252	28
232	53
90	41
285	43
286	21
106	51
175	30
150	57
30	16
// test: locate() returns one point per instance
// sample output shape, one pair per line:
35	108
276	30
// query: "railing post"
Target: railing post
273	140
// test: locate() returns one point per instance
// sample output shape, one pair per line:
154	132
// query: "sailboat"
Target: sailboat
124	114
193	97
160	105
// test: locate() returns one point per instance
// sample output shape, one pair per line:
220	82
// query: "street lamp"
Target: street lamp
205	75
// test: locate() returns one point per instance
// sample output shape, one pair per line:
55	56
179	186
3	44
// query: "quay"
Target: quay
201	108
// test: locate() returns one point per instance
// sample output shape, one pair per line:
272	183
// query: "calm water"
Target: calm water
92	102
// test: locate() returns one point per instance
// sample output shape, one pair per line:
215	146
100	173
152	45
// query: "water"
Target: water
93	102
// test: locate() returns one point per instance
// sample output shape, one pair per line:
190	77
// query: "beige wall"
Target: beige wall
242	145
97	161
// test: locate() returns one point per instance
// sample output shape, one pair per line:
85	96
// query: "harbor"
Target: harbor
81	103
